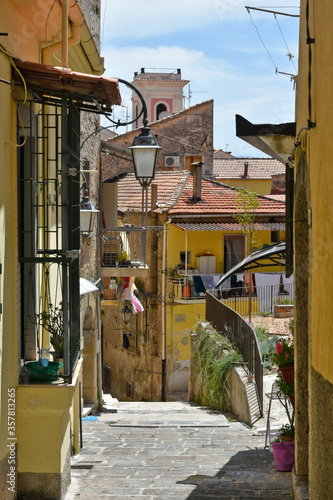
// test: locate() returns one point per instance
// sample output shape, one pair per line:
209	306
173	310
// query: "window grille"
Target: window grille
49	220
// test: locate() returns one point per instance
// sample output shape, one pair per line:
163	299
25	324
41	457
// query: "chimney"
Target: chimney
246	164
153	197
197	176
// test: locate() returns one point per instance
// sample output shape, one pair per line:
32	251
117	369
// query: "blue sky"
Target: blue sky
217	47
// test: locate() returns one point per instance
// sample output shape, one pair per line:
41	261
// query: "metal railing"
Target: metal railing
123	247
263	298
229	323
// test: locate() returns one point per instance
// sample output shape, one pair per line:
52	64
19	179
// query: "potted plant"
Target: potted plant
52	321
287	433
284	358
284	454
284	446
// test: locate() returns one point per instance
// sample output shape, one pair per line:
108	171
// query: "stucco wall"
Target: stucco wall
314	368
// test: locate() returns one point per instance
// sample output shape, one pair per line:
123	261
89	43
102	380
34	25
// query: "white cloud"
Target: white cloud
131	18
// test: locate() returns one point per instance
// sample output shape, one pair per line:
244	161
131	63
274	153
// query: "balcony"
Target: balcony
193	287
123	252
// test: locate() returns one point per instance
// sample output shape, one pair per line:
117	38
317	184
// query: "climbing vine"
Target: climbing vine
214	356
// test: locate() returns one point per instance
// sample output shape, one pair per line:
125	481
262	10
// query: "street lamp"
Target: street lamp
88	212
144	151
126	314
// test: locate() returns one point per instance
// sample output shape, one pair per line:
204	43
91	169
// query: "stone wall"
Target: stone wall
187	133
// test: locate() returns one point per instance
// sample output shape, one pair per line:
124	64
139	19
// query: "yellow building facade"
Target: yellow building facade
313	252
39	419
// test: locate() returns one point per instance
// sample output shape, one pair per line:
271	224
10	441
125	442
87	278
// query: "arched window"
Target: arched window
161	111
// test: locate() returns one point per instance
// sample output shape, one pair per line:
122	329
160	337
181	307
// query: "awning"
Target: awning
86	286
273	255
277	141
227	226
90	92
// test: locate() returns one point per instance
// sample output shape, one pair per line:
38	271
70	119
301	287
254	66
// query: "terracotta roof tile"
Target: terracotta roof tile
169	188
217	198
258	168
175	195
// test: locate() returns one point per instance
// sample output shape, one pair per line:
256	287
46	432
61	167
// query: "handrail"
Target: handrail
229	323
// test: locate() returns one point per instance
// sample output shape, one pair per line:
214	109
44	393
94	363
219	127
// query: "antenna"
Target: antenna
190	92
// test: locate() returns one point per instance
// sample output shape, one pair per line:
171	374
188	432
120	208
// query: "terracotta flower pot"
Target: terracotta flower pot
287	373
284	455
283	439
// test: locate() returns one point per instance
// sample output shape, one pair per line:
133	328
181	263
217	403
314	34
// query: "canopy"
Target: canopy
87	286
273	255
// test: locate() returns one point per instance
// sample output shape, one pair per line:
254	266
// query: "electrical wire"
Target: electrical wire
103	25
276	69
289	54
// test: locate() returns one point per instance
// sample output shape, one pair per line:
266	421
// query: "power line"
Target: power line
289	54
262	41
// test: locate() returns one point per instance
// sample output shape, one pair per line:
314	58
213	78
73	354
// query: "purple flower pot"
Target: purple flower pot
284	455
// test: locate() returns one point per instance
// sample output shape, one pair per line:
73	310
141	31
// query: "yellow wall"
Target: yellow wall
8	253
181	318
42	413
200	242
318	146
260	186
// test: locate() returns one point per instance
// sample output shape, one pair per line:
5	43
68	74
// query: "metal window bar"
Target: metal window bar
122	247
49	217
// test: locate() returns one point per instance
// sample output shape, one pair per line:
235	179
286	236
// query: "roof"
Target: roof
227	226
273	255
52	82
258	168
217	198
175	196
219	153
169	187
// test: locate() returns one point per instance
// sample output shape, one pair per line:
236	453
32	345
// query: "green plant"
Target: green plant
287	430
285	390
52	320
291	326
284	353
214	357
247	204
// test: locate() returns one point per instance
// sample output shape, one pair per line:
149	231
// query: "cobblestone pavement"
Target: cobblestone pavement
173	451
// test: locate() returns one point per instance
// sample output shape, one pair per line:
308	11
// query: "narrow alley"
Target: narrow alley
172	451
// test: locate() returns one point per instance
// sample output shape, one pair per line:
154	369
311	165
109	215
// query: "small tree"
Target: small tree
247	204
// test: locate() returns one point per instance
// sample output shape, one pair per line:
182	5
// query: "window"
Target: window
275	236
161	111
234	251
182	258
49	222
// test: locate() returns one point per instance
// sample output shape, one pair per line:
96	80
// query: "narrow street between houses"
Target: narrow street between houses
172	451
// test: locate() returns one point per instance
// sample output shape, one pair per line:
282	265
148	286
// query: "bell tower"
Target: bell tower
163	93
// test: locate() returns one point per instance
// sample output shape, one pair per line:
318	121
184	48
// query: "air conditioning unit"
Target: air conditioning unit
172	161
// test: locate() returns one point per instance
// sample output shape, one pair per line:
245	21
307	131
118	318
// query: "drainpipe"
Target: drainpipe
64	34
164	311
76	16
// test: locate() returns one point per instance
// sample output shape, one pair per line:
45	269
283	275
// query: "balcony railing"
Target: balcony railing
123	247
263	298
